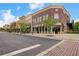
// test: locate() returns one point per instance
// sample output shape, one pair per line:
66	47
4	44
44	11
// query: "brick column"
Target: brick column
65	28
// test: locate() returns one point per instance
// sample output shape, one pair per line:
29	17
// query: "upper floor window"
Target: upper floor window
46	15
43	17
40	19
35	20
56	16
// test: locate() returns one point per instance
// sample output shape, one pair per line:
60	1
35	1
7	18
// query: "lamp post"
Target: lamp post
32	26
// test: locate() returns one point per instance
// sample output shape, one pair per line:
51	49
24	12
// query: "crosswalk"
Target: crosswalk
21	50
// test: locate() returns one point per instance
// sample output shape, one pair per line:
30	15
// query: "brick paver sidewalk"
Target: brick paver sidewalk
67	48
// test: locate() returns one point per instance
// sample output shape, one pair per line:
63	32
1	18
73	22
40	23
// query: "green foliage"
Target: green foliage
1	29
11	29
23	27
76	26
49	21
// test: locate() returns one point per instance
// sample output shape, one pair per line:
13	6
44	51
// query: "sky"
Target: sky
10	12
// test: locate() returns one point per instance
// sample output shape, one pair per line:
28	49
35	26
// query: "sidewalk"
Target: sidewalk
56	36
67	48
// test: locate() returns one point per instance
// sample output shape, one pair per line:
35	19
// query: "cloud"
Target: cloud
36	6
29	12
7	17
18	8
77	20
1	23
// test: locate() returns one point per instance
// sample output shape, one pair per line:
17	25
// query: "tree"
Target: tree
12	27
76	26
22	18
1	29
49	22
23	27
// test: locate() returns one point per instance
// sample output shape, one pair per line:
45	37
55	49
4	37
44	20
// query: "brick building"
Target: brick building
26	19
59	13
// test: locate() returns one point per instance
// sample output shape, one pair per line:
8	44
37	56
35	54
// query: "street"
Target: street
12	44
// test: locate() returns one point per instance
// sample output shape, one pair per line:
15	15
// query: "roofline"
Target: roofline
28	15
52	6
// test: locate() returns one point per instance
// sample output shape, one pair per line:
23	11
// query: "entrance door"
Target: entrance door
56	29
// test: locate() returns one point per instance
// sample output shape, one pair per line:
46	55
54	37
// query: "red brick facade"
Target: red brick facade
57	12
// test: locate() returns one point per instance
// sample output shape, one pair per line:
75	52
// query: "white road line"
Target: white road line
49	49
21	50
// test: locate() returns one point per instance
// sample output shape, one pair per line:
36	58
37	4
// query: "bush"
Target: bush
76	26
73	32
23	27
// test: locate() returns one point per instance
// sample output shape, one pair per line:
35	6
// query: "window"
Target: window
35	20
46	15
56	16
40	19
43	17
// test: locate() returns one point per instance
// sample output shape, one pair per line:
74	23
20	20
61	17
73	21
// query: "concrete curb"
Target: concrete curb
57	37
49	49
42	36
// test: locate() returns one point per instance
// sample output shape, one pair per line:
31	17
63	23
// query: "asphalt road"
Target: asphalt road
10	42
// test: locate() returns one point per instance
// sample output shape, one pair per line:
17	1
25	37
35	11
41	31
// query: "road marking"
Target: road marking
21	50
47	50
